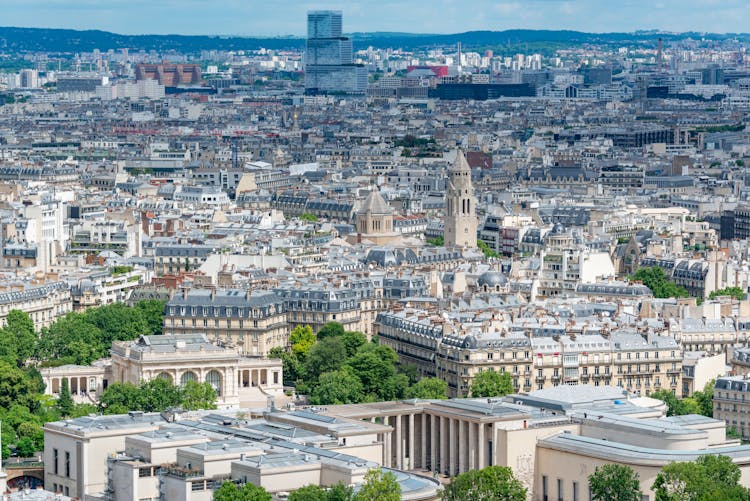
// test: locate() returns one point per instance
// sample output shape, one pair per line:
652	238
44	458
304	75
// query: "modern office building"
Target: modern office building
329	64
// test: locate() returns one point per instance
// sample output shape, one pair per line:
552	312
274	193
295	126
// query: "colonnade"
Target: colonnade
443	444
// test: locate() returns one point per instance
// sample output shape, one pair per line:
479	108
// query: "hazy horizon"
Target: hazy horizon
270	19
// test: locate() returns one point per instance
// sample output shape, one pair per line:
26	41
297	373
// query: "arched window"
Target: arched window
188	376
214	379
165	375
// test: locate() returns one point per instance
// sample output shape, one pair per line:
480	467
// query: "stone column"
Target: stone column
472	446
433	442
387	437
412	456
443	444
481	444
399	443
453	449
423	443
461	447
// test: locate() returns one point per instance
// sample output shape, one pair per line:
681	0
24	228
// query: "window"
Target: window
67	464
575	491
559	489
544	488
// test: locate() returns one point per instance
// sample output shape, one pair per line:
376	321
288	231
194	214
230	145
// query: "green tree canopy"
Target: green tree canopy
353	341
375	366
696	479
157	395
491	384
655	279
20	328
735	292
248	492
699	403
493	483
195	396
289	362
338	492
65	402
379	486
428	388
331	329
614	482
301	339
308	493
325	356
337	387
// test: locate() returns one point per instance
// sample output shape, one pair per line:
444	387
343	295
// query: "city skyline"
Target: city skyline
233	17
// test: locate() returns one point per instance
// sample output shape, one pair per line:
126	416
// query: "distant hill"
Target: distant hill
72	41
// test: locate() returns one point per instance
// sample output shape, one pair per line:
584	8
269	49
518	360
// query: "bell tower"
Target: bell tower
460	206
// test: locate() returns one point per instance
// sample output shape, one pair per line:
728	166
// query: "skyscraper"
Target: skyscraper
460	206
329	66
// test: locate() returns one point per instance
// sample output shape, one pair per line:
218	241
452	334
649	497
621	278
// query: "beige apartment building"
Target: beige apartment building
732	402
640	363
44	303
253	323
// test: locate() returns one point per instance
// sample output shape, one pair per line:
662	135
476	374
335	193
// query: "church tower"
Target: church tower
460	206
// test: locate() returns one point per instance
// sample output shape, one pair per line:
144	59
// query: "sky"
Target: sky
287	17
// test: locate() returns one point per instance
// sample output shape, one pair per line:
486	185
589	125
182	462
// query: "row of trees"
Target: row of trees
341	367
700	403
76	338
377	486
494	483
709	478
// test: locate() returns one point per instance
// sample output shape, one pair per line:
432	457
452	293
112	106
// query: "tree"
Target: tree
340	492
16	387
119	398
325	356
337	387
695	479
25	447
734	493
152	312
301	339
290	364
681	407
735	292
493	483
308	493
117	322
331	329
705	399
353	341
491	384
375	366
159	394
248	492
656	279
486	249
197	396
20	328
379	486
310	218
65	402
428	388
614	482
71	339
